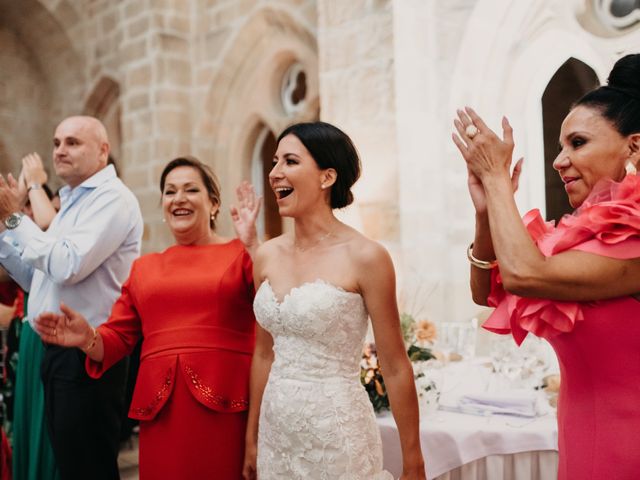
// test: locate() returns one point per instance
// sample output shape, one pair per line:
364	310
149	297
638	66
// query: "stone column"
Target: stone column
356	69
155	60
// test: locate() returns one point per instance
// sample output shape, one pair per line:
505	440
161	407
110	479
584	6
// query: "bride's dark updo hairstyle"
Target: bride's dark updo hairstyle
330	147
619	100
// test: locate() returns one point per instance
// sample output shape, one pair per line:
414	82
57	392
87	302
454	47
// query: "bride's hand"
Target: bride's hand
249	470
245	214
417	473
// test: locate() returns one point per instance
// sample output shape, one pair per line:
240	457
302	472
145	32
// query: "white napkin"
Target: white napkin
515	402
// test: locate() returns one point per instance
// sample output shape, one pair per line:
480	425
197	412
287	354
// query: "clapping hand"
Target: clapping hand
245	214
9	196
33	170
481	151
67	329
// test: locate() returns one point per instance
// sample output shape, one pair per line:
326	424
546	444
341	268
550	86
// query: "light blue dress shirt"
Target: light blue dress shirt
84	256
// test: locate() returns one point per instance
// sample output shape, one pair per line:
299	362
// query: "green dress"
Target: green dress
32	453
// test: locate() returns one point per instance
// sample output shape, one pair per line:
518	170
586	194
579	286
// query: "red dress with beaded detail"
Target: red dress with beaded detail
597	343
192	305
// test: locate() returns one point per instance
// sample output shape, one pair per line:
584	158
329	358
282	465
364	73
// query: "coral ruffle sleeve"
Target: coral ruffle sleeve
607	224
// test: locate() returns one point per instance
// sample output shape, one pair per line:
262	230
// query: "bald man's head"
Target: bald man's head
80	149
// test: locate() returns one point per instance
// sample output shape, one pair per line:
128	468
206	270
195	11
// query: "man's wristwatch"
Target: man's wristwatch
34	186
13	220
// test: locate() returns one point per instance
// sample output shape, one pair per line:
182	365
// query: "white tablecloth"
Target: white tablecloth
453	440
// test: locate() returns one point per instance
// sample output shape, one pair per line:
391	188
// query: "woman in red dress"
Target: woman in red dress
192	306
575	284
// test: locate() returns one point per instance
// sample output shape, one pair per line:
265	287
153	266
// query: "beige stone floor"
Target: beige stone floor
128	459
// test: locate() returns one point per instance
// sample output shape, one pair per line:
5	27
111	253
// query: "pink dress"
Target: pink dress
597	343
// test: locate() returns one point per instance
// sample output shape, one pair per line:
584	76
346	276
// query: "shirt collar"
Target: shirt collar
95	180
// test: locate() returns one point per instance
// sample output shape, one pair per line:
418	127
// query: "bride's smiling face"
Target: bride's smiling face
296	179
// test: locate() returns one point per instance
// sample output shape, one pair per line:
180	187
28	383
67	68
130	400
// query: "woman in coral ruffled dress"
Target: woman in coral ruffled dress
574	284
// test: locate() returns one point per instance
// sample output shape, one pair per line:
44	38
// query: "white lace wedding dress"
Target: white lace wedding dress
316	421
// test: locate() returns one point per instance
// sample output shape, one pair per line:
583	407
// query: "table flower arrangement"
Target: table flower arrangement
419	336
426	386
371	378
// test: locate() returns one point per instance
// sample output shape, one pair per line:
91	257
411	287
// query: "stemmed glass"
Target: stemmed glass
447	339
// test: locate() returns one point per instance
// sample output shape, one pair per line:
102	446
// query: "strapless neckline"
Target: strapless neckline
298	288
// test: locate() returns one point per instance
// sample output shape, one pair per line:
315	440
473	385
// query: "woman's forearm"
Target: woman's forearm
517	255
480	279
95	352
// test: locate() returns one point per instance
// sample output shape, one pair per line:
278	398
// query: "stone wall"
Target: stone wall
168	78
355	42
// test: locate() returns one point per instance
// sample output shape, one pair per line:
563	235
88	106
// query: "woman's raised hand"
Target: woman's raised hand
484	152
67	329
245	214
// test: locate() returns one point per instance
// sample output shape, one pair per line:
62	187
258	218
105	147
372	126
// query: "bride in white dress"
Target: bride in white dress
309	416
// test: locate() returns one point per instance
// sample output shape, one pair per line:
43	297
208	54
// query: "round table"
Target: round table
461	446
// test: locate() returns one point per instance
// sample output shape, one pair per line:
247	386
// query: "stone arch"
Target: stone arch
38	33
572	80
244	92
104	103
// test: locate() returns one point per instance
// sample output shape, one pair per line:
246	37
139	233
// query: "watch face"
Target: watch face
13	220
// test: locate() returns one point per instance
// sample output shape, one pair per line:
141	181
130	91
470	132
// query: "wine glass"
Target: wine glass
447	339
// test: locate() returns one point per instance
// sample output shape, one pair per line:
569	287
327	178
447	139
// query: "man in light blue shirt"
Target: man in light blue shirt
81	260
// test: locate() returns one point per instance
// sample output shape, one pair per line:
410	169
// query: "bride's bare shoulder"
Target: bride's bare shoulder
276	246
365	251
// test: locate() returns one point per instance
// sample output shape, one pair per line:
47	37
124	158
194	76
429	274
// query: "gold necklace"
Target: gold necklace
314	244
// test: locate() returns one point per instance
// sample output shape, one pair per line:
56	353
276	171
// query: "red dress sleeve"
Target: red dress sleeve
120	333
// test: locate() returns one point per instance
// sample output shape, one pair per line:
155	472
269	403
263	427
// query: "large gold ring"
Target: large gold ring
471	131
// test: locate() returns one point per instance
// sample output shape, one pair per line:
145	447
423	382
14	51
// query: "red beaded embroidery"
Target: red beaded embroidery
212	397
160	395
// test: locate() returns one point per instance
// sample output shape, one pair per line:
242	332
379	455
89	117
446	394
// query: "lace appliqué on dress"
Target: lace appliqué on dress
316	421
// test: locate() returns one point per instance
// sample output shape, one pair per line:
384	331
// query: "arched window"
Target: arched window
294	89
104	104
269	223
570	82
618	14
